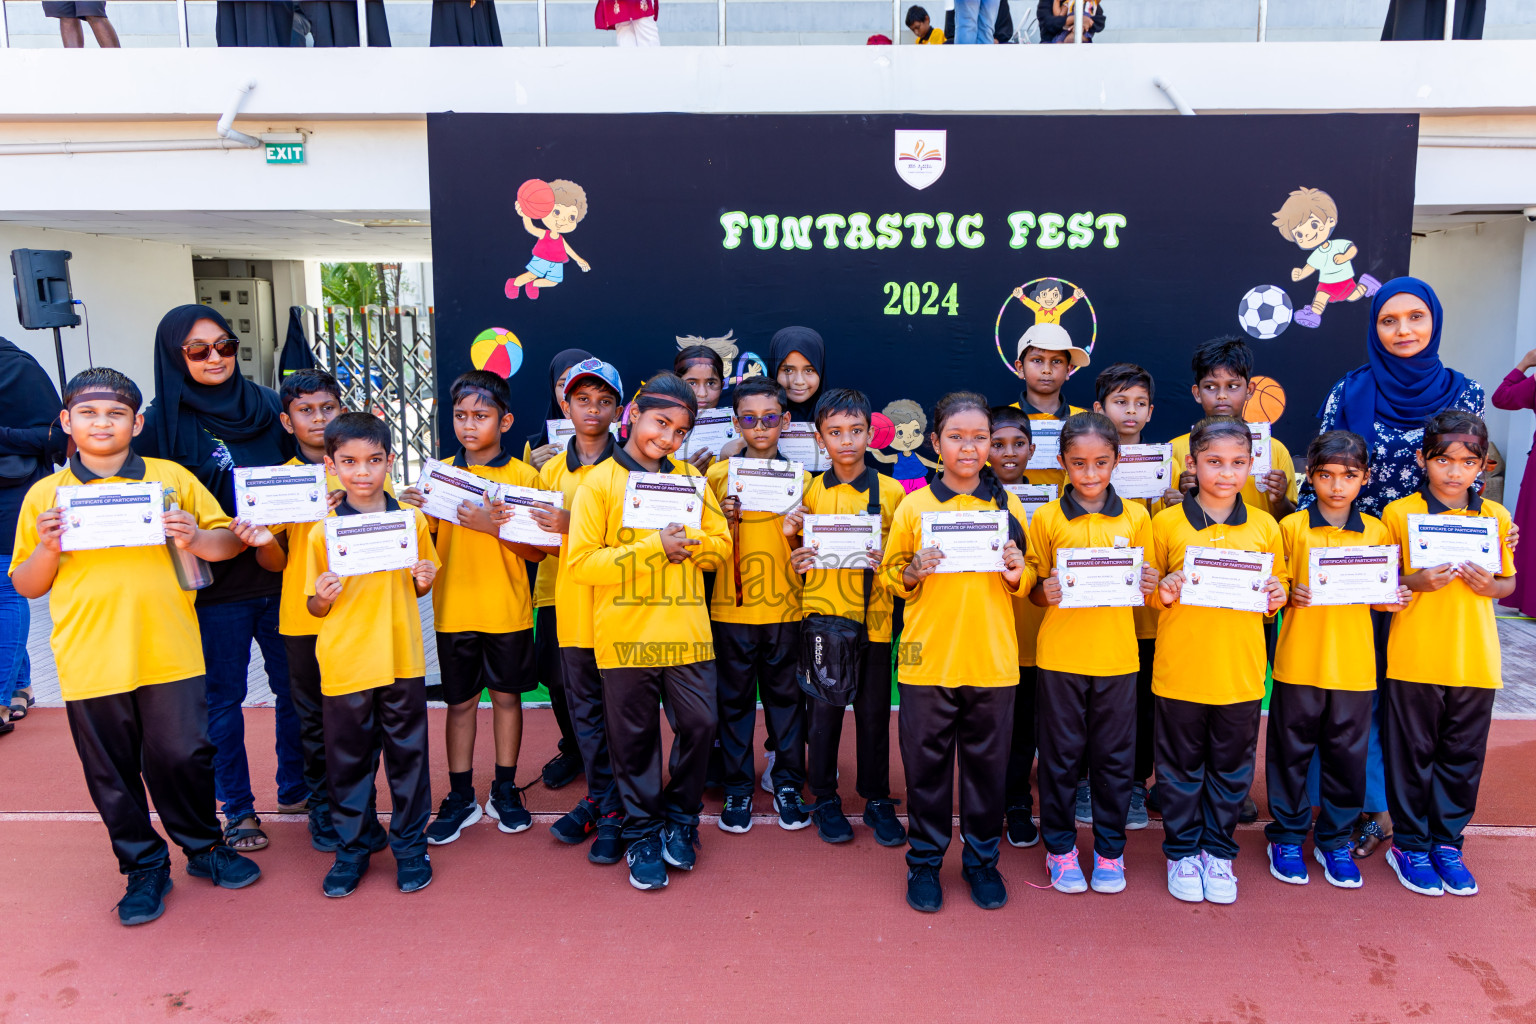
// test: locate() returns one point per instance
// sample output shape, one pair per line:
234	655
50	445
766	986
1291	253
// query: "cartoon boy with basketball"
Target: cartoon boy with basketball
1308	218
559	205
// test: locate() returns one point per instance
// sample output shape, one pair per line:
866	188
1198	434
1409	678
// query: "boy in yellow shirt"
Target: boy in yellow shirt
483	611
129	657
372	669
755	610
1046	358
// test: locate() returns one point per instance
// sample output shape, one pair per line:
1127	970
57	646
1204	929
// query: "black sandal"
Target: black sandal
234	834
20	702
1370	836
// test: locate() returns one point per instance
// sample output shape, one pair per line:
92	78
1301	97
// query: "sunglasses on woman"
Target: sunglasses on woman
768	420
197	352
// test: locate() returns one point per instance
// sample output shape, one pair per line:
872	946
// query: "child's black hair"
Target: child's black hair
842	401
1339	448
1454	421
764	386
1090	424
1226	353
1213	428
356	426
104	378
311	381
666	390
482	384
1048	284
1121	377
1011	416
915	14
697	354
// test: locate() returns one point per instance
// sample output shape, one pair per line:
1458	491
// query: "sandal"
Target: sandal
21	700
1369	837
245	839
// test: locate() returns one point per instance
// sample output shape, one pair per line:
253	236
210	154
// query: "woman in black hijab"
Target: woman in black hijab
797	359
537	452
210	419
31	441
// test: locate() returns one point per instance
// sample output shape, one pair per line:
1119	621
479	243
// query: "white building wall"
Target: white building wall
127	286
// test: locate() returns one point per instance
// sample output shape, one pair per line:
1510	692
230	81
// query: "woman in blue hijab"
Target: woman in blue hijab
1402	384
1386	401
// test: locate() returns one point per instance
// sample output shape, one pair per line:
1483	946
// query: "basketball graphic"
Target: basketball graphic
535	198
1267	403
884	431
498	350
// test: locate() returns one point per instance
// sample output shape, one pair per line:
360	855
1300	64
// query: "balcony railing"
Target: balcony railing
183	23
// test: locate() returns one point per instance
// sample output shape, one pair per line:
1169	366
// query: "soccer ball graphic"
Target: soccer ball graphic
1265	312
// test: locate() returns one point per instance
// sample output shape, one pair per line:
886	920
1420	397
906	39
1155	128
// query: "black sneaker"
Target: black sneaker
322	830
880	815
647	868
145	899
506	807
679	845
413	873
343	878
608	847
736	816
578	823
792	813
456	813
561	770
831	824
223	867
987	889
1249	812
1021	827
923	890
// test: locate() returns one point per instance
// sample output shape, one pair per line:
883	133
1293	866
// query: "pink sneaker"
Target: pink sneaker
533	292
512	288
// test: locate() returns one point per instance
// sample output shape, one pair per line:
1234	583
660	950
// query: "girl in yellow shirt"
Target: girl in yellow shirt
1088	660
959	665
1208	674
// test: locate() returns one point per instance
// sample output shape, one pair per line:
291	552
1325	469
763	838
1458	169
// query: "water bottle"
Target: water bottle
191	572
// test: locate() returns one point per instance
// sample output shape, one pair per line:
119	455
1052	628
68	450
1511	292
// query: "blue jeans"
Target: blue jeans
1375	776
15	624
228	630
975	20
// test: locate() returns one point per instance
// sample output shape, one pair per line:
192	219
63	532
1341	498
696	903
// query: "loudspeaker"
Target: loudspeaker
43	298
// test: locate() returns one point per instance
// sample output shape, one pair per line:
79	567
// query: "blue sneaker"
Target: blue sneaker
1414	870
647	868
1454	876
679	845
1287	864
1338	867
1108	873
1066	874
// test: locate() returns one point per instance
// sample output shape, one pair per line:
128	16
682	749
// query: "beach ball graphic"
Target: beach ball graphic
498	350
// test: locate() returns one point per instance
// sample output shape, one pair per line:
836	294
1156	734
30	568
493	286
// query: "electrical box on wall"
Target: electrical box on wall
246	303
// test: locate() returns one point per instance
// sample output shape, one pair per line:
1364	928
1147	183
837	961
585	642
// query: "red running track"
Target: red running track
772	926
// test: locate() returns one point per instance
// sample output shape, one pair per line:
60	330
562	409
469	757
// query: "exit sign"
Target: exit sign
285	152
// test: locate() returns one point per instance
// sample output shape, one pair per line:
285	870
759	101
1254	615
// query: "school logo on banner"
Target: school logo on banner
920	156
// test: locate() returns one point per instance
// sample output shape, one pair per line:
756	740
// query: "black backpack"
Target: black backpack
833	647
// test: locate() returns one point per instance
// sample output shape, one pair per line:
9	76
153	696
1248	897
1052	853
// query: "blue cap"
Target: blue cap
604	372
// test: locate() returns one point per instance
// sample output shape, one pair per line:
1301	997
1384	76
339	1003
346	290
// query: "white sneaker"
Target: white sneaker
1216	876
773	755
1184	880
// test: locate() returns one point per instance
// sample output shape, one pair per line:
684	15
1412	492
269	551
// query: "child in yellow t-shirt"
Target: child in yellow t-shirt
372	669
126	643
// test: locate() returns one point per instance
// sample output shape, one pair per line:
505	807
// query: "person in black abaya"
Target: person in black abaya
255	23
334	22
1425	19
465	23
210	419
31	441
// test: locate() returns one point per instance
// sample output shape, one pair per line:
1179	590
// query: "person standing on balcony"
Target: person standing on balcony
633	21
465	23
70	16
256	23
1058	20
334	22
210	419
1425	19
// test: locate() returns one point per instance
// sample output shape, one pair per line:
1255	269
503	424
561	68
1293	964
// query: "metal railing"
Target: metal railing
384	358
193	20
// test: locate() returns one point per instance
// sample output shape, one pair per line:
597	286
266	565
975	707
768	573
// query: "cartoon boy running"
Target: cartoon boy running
1308	218
1046	302
551	252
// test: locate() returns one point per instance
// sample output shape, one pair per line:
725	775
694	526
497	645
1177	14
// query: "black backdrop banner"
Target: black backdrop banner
902	240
